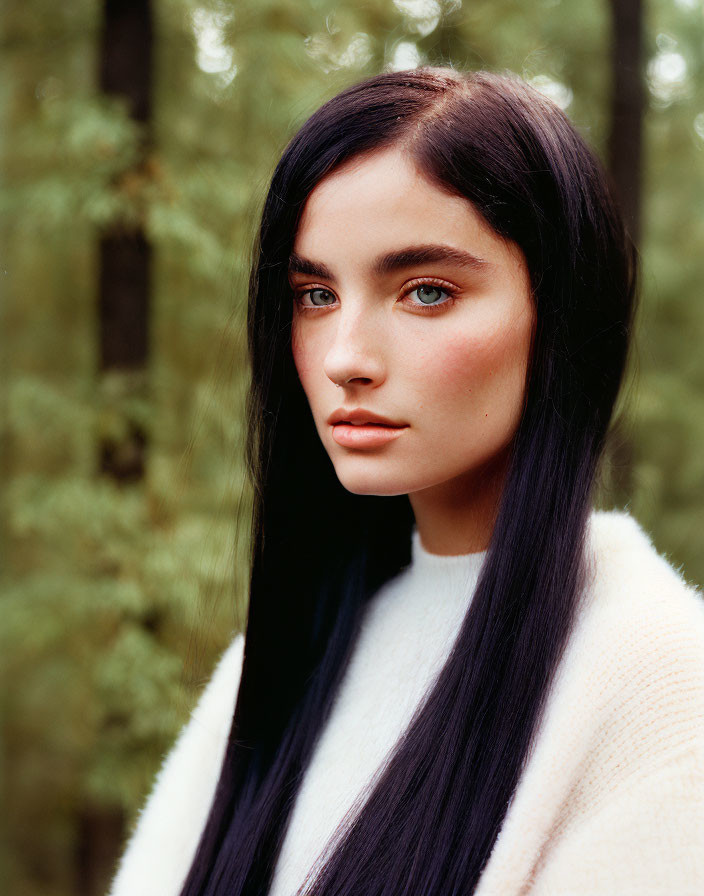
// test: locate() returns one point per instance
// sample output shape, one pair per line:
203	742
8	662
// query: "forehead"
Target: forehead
386	182
381	201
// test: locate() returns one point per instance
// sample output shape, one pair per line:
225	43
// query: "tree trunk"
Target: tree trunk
625	147
124	256
99	831
625	165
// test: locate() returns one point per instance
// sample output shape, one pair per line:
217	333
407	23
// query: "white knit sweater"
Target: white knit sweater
611	800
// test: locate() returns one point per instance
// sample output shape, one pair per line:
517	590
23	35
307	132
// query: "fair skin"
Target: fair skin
454	376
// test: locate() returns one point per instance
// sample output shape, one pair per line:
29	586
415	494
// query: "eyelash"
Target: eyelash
425	309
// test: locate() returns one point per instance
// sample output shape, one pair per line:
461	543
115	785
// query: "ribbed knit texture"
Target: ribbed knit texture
611	800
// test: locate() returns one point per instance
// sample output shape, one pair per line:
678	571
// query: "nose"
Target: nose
355	355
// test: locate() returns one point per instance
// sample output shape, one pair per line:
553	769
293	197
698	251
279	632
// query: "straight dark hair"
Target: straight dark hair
319	552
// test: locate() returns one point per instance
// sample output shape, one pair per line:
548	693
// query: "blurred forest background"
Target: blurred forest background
137	139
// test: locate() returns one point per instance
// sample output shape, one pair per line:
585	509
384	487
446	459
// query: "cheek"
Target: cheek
484	372
303	354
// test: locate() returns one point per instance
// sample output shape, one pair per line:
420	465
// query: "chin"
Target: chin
365	483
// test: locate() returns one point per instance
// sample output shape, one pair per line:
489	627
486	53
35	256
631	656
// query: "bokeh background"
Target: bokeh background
136	142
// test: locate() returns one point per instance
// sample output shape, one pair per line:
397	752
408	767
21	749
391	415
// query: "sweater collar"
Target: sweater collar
423	559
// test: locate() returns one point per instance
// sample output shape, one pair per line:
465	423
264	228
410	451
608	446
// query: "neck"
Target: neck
458	516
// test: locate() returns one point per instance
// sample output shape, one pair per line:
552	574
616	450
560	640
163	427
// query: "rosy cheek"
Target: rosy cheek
460	361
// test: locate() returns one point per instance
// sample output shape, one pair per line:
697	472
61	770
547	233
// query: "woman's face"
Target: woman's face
408	306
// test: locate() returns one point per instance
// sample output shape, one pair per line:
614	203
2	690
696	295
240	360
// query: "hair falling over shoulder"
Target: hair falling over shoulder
429	824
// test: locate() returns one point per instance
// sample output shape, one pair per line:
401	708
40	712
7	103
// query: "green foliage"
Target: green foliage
65	156
117	600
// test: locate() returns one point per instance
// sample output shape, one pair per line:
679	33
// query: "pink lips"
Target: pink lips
369	435
359	428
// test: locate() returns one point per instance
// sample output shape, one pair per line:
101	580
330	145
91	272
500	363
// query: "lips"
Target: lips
362	417
365	423
365	436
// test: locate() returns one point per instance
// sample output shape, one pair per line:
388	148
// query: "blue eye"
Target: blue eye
325	294
318	289
429	291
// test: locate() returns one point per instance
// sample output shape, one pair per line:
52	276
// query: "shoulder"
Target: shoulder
626	559
211	717
217	702
631	582
631	681
162	845
642	636
627	575
622	752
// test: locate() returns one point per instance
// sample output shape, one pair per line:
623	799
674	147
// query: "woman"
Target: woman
457	676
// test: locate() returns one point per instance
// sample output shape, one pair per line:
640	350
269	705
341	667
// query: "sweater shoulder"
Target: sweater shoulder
164	840
629	577
640	645
628	728
615	769
631	680
214	709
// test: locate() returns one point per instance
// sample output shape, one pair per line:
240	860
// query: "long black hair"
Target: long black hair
319	552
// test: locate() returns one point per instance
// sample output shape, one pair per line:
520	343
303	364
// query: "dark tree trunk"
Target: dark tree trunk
125	253
125	263
625	165
124	257
99	832
126	54
625	149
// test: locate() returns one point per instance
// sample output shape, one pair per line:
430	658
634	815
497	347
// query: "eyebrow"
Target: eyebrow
394	261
